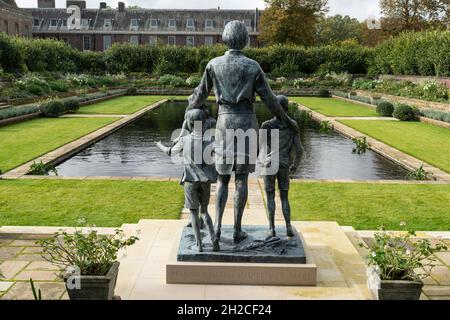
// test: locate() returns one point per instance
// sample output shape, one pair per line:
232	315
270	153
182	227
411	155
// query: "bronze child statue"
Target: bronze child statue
197	174
289	142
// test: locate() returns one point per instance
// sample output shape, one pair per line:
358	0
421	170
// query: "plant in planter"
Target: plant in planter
89	261
397	264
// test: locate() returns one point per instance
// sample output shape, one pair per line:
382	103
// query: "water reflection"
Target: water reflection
131	151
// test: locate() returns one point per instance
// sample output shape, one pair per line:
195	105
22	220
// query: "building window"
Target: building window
209	24
6	26
106	42
209	41
171	40
86	43
53	23
134	39
134	24
107	23
27	31
85	23
17	29
36	23
190	24
190	41
153	40
172	24
248	24
64	23
154	23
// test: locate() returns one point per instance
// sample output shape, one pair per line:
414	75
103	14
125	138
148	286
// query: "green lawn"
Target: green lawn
335	107
27	140
366	206
423	141
100	202
121	105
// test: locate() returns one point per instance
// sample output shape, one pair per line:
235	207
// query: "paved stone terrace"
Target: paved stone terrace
341	268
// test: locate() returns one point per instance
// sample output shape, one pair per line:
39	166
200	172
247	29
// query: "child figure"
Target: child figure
289	141
197	175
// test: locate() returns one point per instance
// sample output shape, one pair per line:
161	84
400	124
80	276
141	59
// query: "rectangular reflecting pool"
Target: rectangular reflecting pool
131	151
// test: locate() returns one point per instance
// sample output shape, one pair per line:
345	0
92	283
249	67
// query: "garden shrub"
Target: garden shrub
53	108
171	80
193	81
58	85
11	56
435	114
324	93
18	111
71	105
403	112
385	109
132	91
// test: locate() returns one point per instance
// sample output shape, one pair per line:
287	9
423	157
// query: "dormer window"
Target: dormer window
107	23
134	24
85	23
172	24
154	23
36	22
64	23
53	23
248	25
190	24
209	24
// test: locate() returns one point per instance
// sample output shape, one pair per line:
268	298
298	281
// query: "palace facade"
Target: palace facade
97	29
14	21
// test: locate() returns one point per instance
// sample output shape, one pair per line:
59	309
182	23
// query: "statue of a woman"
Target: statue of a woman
236	80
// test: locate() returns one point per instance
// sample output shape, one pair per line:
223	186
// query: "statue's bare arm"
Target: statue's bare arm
201	93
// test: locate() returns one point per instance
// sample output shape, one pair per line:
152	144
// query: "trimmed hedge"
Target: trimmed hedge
53	108
385	109
403	112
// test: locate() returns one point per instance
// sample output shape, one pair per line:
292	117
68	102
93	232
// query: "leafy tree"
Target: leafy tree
291	21
415	15
338	28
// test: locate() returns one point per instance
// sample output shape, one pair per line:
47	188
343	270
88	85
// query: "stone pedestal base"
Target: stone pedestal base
286	264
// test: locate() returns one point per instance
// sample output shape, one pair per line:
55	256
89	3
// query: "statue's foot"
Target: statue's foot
216	246
218	232
272	233
238	236
200	248
289	231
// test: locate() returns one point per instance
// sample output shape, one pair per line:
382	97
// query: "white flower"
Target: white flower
374	254
402	224
408	253
81	221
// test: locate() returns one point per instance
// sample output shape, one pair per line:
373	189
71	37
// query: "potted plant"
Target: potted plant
89	261
397	264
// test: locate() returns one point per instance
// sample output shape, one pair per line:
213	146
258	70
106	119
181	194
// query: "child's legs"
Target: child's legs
205	194
192	202
283	186
269	187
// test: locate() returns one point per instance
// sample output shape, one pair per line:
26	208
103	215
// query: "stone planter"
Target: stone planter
392	289
95	287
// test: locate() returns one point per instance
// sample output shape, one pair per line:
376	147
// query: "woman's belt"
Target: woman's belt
236	109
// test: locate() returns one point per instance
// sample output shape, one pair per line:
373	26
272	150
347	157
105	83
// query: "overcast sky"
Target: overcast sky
360	9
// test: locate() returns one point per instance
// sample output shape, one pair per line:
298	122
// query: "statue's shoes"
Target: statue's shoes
238	236
289	231
271	233
216	246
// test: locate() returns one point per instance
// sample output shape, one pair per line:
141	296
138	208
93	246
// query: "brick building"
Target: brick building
14	21
98	29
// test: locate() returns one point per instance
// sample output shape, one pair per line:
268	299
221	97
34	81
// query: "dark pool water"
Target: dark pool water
131	151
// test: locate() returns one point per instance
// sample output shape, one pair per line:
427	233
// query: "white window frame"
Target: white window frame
174	27
105	47
248	24
84	43
85	23
107	23
152	40
211	27
38	22
156	23
134	39
51	26
193	41
190	27
174	38
64	23
209	43
134	26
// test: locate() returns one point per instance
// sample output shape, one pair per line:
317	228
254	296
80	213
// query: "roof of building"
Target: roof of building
143	20
11	6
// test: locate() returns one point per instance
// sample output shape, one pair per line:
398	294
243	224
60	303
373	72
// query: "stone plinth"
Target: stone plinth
258	260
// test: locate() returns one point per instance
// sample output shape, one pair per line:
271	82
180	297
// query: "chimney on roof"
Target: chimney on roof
46	3
102	5
121	7
80	3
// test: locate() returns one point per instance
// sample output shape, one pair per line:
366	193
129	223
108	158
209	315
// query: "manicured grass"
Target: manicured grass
27	140
423	141
121	105
366	206
100	202
335	107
